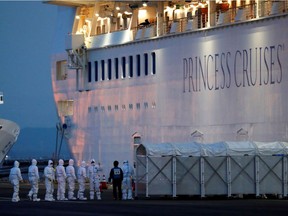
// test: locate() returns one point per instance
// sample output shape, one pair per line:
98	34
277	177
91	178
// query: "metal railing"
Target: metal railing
200	21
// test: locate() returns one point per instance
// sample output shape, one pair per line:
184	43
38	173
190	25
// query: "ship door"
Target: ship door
136	141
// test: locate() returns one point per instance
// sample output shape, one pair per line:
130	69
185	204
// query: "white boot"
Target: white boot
98	195
91	195
30	195
35	199
81	196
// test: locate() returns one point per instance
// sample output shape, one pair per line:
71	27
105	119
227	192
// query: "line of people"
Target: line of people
119	177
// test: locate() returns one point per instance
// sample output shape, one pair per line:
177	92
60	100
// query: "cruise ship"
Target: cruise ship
126	73
9	132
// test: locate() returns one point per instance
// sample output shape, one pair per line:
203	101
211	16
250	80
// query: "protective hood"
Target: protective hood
83	164
71	162
61	162
34	162
125	162
16	164
50	163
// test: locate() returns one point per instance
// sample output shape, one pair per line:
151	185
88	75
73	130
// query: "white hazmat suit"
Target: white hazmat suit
71	178
14	177
94	180
33	176
49	174
81	180
61	179
128	175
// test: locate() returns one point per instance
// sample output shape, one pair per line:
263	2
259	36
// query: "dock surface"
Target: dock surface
142	206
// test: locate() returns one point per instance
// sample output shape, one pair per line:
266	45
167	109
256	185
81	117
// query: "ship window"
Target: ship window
123	67
146	63
137	140
96	71
96	108
130	106
102	108
103	69
109	108
89	72
116	107
116	68
145	105
153	63
65	108
138	65
138	106
109	69
61	70
123	107
130	66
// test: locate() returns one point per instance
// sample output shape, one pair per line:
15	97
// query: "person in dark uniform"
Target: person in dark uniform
116	176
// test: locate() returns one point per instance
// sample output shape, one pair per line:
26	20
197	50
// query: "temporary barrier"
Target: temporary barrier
103	182
224	168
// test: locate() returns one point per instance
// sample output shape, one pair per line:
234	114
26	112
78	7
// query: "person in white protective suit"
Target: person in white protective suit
49	174
71	178
81	181
61	179
33	176
14	177
94	180
128	176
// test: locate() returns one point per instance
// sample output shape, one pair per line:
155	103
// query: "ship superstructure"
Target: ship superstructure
171	71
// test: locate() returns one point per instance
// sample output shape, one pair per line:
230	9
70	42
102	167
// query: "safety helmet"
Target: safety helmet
92	161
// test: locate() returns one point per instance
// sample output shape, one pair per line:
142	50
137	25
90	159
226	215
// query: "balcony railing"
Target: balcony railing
224	15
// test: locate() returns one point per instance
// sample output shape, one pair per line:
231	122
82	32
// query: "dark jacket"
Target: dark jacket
116	173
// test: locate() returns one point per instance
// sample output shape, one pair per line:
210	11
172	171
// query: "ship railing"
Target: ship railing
76	50
182	25
143	32
238	14
225	14
111	31
222	16
268	8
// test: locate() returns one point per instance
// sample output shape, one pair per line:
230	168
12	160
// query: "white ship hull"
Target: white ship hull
9	132
224	83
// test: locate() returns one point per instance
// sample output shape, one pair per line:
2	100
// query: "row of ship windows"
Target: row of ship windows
122	107
65	107
144	64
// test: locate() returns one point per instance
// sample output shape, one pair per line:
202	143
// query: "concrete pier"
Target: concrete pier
153	206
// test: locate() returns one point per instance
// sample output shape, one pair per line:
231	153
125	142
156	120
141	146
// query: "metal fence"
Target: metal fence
207	175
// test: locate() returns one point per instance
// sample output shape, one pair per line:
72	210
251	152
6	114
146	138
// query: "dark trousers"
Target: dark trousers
117	185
